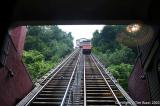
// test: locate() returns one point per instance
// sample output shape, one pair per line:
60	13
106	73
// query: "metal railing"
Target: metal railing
84	79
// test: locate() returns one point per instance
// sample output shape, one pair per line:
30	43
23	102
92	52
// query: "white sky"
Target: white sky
80	31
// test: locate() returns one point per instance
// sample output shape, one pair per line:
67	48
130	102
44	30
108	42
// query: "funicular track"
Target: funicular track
99	88
79	81
55	86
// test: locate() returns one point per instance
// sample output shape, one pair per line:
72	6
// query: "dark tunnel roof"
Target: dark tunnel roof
83	11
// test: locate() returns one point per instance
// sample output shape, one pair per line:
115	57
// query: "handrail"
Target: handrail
65	95
84	82
46	83
107	82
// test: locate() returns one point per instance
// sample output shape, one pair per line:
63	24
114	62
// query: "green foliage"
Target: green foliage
122	54
121	72
106	39
117	57
44	47
36	65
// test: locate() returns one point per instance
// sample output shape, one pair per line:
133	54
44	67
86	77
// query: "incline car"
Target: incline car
86	46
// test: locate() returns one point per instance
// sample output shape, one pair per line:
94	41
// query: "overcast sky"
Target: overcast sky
80	31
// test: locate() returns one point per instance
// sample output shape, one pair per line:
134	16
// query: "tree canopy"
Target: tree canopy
44	47
117	57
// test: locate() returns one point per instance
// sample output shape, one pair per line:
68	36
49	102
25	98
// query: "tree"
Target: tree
117	57
44	47
121	72
36	65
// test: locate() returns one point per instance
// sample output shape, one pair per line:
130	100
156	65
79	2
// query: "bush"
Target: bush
36	65
121	73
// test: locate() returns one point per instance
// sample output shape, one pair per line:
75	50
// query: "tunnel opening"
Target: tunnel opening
118	47
124	41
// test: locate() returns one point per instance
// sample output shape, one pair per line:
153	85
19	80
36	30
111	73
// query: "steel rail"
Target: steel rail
67	89
127	97
106	82
46	83
84	82
60	64
25	100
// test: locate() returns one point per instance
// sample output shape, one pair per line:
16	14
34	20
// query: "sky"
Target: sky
80	31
